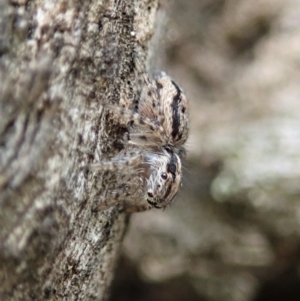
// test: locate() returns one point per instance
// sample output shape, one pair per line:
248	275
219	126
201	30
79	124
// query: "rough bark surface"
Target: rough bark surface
59	60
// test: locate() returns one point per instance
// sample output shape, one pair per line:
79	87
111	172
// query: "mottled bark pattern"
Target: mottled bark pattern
59	60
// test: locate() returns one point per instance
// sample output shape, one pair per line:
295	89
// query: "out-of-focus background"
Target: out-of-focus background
233	232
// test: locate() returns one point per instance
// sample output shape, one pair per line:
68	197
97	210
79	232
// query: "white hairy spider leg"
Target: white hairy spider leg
117	164
145	140
141	123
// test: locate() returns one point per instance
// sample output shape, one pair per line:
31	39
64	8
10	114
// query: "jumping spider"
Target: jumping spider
157	132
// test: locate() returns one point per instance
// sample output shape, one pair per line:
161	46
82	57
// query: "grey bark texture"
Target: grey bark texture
59	60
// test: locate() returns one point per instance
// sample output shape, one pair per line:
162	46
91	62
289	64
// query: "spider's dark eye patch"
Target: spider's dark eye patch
168	149
164	175
150	194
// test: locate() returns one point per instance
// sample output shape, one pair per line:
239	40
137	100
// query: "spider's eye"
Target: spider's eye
164	175
150	194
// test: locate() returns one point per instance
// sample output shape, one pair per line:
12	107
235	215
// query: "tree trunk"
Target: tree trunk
59	60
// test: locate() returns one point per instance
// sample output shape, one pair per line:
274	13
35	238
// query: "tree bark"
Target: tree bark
59	60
